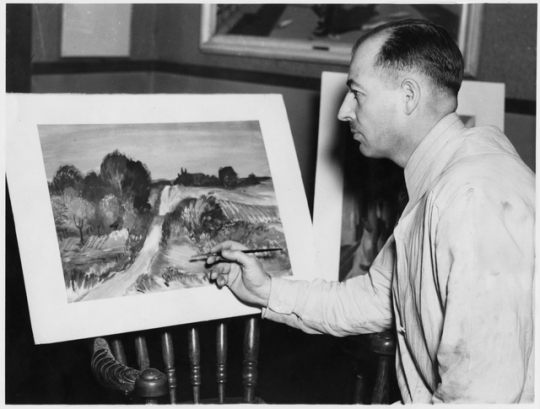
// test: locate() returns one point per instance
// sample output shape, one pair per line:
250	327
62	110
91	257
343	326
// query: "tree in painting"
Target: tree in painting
67	176
228	176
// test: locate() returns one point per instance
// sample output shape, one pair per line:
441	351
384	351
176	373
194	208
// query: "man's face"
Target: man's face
370	106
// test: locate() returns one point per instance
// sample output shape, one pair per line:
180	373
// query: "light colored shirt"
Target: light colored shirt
456	278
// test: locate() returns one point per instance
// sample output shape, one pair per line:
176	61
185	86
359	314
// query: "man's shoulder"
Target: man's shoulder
482	153
484	160
482	142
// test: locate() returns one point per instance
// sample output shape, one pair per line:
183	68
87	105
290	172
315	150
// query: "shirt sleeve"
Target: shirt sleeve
356	306
485	266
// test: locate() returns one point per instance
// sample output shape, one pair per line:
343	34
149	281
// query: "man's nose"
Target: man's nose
346	111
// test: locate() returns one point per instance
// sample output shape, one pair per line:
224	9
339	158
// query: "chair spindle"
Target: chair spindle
380	391
251	353
142	353
359	396
221	357
168	359
195	363
118	351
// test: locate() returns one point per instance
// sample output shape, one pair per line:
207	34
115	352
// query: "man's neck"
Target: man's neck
416	133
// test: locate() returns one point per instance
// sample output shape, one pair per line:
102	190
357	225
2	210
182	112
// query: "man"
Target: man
456	279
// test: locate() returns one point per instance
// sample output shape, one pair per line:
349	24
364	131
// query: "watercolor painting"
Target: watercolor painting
133	203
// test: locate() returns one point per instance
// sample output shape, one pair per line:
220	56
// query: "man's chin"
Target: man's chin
364	150
369	153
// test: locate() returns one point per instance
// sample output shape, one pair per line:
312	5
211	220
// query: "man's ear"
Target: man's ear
411	92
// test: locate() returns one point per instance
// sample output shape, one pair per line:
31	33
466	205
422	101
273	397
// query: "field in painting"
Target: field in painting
120	232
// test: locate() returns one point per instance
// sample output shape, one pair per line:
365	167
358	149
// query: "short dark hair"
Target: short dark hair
420	45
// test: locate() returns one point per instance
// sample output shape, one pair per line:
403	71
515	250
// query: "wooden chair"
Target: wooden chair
110	367
378	351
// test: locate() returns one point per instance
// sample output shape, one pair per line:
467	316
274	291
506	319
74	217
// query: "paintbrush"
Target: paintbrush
204	256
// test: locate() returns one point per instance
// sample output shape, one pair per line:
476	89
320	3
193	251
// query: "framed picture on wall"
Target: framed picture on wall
325	32
114	195
358	199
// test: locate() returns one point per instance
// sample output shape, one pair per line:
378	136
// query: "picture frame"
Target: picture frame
284	40
42	130
338	202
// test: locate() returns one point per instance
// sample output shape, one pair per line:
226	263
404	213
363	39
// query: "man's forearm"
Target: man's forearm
339	309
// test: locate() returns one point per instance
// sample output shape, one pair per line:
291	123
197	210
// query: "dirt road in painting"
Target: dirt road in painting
117	285
120	282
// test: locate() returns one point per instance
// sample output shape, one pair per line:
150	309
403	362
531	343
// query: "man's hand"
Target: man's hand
241	272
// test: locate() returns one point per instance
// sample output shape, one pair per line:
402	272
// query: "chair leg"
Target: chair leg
380	391
251	353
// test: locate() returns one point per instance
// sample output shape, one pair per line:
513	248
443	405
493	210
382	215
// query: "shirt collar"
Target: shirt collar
422	169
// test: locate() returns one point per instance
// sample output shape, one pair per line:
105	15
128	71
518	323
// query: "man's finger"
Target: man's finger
228	245
213	259
237	256
221	268
225	245
222	279
217	248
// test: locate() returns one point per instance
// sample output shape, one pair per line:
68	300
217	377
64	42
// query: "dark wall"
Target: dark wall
18	48
508	49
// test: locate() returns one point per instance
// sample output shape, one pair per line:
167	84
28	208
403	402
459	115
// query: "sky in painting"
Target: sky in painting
164	148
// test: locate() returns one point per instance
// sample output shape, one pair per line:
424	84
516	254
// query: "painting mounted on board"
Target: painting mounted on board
129	219
125	191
